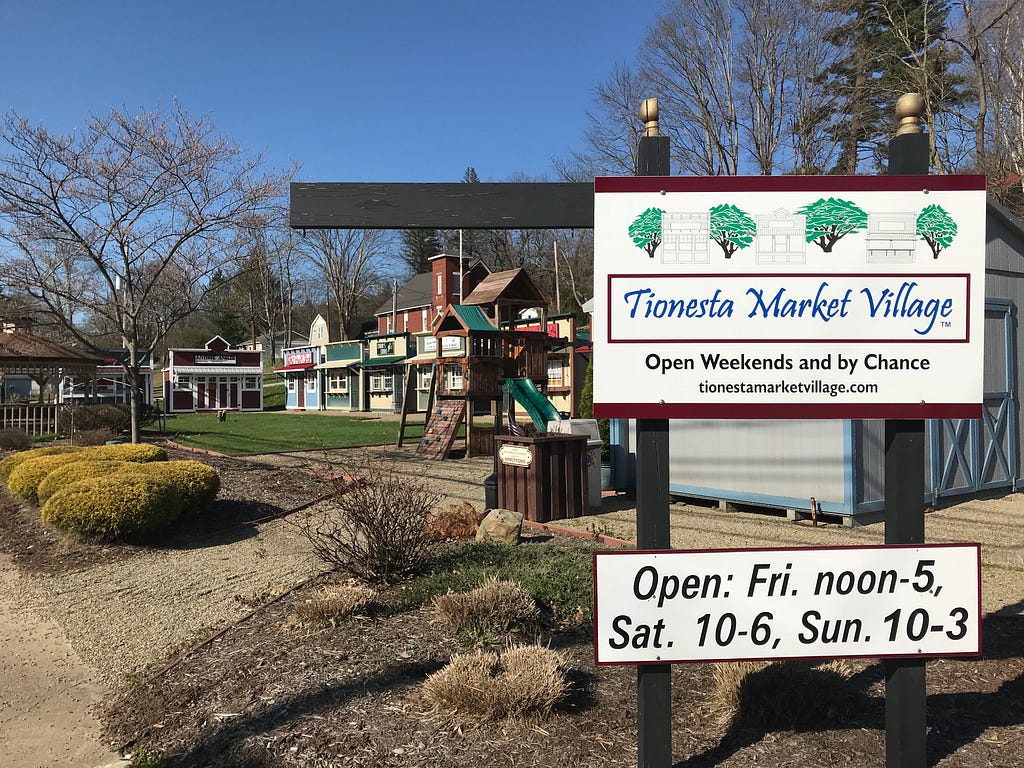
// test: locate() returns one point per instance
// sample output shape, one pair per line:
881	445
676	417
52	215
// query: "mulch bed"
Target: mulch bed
268	692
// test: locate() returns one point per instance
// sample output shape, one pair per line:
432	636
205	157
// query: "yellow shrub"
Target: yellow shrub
12	461
196	483
113	507
79	469
137	452
25	478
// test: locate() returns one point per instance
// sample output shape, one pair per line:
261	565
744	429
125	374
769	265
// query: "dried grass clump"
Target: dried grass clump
335	602
457	522
783	695
522	681
494	609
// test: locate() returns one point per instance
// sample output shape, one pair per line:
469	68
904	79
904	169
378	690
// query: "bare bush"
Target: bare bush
375	528
92	436
14	440
494	609
781	695
524	680
335	602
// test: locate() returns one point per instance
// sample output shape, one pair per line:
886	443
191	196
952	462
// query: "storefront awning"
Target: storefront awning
297	367
217	370
382	362
429	357
333	364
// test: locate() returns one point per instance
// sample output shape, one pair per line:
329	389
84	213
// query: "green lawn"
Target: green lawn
265	432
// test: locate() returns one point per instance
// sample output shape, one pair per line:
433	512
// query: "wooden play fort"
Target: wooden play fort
481	345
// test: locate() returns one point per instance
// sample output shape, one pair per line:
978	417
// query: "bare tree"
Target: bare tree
689	59
351	263
124	221
741	84
612	137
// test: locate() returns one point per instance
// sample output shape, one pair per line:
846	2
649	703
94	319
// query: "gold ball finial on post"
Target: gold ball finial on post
649	114
910	113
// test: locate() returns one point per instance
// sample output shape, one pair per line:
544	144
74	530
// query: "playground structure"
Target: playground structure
482	353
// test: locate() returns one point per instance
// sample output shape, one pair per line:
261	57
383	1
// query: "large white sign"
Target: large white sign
727	605
789	297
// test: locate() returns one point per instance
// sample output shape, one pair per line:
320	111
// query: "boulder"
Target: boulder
501	525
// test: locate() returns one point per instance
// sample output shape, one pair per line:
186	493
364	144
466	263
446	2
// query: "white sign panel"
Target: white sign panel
728	605
789	297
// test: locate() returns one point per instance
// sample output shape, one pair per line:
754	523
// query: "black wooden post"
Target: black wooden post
905	720
654	681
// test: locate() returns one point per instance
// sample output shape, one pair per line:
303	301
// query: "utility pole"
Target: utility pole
654	681
905	718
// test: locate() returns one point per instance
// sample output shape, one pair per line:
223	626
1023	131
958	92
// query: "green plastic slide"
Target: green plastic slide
540	409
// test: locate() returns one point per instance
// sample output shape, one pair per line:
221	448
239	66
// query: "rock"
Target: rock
501	525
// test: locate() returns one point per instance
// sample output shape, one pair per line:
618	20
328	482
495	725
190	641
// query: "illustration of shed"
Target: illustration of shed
891	238
686	238
781	238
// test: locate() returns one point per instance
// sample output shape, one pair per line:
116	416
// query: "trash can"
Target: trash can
543	478
589	428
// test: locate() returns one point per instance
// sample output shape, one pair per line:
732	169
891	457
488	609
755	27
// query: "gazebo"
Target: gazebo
41	360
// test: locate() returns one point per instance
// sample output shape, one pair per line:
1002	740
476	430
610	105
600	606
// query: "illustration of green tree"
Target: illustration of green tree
731	228
646	230
829	220
936	228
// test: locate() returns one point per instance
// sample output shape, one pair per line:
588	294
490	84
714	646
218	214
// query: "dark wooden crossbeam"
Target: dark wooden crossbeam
348	205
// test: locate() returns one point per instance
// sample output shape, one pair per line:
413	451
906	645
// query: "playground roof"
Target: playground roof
474	319
513	286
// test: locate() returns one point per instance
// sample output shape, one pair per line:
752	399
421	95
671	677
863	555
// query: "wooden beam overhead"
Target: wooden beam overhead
357	205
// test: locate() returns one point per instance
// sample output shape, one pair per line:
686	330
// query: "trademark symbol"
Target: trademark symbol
947	324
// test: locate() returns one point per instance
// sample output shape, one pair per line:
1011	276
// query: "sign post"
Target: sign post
790	297
906	725
653	682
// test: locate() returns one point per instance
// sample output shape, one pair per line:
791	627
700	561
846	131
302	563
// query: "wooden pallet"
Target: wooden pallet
443	423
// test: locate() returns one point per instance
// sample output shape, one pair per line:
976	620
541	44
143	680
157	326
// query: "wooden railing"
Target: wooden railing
34	418
525	356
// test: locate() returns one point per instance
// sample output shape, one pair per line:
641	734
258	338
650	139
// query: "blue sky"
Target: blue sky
369	91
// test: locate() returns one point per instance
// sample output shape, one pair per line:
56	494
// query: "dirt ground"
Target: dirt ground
101	656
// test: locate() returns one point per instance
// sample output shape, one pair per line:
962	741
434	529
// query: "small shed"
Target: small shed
213	378
340	369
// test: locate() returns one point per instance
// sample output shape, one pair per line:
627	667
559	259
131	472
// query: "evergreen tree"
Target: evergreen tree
418	247
472	240
889	47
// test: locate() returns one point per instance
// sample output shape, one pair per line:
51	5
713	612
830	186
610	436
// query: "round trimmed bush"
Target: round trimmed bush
7	465
73	472
113	507
196	483
136	452
25	478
